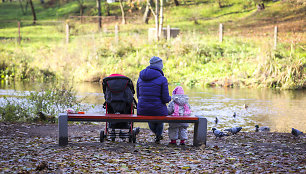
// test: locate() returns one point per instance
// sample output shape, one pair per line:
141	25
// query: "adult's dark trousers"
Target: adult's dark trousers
156	128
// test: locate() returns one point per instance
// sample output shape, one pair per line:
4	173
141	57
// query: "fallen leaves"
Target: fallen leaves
31	148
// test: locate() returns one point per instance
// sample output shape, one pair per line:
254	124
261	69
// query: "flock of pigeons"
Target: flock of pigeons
235	130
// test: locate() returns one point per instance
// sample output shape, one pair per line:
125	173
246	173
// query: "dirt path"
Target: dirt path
33	148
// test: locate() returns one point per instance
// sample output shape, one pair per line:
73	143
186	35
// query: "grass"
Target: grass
245	58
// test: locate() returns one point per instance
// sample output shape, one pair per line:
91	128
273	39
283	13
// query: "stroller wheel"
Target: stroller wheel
102	136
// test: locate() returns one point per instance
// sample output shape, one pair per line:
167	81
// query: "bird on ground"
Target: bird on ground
233	130
234	115
296	132
218	133
245	106
216	120
262	129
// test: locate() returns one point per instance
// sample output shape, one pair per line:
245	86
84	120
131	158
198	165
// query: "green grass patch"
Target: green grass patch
194	58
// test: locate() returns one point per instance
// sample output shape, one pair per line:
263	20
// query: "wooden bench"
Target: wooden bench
200	123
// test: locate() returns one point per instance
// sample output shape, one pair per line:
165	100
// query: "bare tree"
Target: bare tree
21	6
161	20
148	11
122	12
156	19
99	13
33	11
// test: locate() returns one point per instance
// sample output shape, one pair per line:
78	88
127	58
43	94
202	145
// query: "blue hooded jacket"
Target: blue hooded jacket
152	92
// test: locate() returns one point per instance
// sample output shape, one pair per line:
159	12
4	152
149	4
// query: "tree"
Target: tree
33	11
99	13
158	15
147	12
176	3
22	9
157	19
107	8
122	12
81	6
161	20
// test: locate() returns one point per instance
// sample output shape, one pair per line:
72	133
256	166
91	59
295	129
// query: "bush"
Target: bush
43	105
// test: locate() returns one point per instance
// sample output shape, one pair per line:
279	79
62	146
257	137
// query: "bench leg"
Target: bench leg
200	132
63	129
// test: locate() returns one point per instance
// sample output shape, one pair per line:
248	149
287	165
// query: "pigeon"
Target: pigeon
262	129
245	106
218	133
234	115
216	120
234	130
296	132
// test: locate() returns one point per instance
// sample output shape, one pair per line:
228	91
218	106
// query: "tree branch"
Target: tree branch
151	9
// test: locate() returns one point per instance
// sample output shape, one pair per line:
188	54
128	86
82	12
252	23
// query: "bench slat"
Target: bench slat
131	117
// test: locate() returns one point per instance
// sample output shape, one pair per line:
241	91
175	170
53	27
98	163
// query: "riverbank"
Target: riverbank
28	148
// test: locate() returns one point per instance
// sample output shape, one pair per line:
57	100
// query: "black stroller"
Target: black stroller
119	99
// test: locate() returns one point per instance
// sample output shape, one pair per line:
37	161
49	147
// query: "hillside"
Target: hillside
246	57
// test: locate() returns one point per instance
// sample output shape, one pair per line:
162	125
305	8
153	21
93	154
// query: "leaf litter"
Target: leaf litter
33	148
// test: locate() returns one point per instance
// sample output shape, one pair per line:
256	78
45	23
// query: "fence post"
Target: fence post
221	32
116	34
168	32
67	33
19	36
275	37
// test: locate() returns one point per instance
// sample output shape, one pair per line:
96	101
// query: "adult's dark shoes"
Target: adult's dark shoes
158	138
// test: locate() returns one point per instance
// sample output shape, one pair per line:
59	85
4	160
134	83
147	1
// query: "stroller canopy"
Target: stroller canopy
118	93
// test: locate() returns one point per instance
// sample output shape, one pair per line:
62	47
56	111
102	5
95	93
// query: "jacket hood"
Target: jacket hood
180	99
150	73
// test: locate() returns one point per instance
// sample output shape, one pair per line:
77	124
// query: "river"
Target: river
280	110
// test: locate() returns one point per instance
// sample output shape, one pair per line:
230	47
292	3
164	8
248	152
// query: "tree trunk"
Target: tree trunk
21	6
122	12
156	19
161	20
147	13
107	8
99	14
176	3
33	11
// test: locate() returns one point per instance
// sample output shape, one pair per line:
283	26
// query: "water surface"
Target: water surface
280	110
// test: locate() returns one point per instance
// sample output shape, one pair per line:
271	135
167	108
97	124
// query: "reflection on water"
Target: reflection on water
280	110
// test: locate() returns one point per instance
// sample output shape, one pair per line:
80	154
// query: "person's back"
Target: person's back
153	94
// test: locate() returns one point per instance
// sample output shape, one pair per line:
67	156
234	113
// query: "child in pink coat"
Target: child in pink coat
178	106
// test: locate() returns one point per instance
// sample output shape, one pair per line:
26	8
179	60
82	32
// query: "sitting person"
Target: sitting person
178	106
153	94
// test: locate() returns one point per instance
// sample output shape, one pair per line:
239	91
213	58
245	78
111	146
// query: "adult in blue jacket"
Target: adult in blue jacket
153	94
